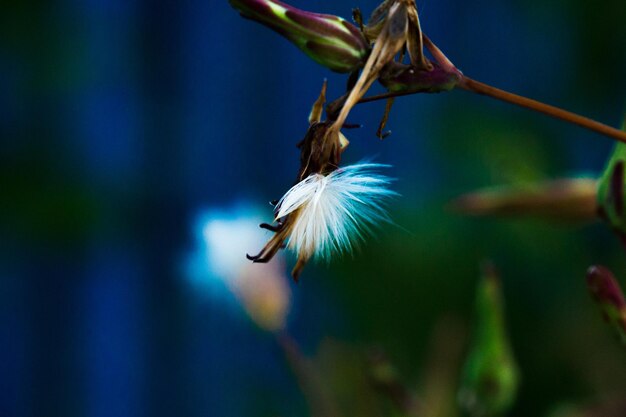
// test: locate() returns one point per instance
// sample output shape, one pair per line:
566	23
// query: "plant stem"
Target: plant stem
390	94
487	90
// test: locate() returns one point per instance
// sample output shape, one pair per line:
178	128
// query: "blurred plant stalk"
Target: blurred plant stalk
568	199
320	401
385	378
490	376
608	295
264	294
612	407
441	374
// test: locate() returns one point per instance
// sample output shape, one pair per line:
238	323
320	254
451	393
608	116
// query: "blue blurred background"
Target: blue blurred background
139	138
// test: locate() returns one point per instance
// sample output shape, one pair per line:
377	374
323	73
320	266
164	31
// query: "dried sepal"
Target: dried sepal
415	41
376	21
320	152
388	43
318	107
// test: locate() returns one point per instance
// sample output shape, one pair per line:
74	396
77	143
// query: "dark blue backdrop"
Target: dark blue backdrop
123	123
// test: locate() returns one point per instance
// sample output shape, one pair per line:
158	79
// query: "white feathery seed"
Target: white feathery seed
336	210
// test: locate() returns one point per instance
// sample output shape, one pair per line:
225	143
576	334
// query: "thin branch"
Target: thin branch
487	90
390	94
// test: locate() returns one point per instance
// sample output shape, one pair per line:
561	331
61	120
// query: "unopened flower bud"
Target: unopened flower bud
329	40
611	198
490	376
607	293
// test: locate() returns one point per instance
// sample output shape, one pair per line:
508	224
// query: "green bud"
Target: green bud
490	376
607	293
611	196
329	40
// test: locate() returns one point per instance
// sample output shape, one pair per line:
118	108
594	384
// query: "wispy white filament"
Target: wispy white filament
336	210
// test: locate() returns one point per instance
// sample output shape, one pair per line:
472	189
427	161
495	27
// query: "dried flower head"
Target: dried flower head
335	210
328	214
329	209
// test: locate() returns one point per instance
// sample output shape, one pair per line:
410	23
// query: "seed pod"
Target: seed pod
329	40
398	77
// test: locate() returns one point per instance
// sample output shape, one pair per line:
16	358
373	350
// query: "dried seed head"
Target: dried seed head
320	154
335	210
330	208
320	150
329	40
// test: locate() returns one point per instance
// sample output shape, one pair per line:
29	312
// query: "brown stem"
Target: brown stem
390	94
487	90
